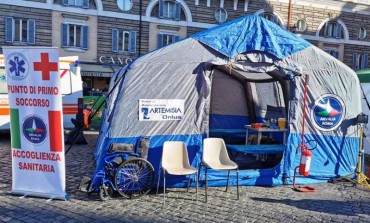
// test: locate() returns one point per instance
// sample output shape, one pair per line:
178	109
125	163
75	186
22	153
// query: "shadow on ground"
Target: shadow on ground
333	207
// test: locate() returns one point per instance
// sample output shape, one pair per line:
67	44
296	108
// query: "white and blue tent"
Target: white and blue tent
228	77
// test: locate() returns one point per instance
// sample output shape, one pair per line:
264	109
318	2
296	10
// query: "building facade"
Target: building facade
107	34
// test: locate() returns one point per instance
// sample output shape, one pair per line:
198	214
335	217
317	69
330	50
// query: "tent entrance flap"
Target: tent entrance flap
241	99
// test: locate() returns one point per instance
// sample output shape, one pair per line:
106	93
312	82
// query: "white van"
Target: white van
71	91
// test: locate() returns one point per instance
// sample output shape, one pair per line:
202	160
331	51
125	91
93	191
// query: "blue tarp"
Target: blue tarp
257	149
251	33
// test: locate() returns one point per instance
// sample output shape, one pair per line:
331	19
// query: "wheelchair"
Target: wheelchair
126	171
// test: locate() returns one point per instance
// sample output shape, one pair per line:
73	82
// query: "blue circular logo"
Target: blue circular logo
34	129
328	112
17	66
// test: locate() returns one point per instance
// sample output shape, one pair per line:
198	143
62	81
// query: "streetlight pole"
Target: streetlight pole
140	24
289	14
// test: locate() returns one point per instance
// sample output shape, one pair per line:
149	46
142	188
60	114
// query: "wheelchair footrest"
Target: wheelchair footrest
84	184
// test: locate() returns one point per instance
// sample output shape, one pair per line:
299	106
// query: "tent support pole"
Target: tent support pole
358	177
250	104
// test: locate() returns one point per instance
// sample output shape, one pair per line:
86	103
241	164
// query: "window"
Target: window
332	30
123	41
359	61
88	81
74	36
301	25
169	10
124	5
166	39
336	50
270	16
220	15
333	53
77	3
19	30
362	33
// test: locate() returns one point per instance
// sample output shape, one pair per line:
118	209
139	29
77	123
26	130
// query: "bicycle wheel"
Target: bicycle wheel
134	177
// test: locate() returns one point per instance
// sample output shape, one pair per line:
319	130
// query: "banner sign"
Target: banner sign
37	140
161	109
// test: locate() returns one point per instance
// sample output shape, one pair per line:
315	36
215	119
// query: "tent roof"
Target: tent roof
251	33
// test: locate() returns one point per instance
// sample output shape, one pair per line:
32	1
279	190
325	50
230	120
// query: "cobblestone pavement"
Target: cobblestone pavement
332	203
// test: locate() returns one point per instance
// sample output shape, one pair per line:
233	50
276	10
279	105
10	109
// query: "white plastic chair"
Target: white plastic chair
175	161
215	157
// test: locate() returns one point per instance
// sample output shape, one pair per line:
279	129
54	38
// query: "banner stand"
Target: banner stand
65	197
36	121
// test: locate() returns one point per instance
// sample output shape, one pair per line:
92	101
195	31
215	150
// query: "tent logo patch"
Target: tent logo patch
145	112
34	129
161	109
17	67
328	112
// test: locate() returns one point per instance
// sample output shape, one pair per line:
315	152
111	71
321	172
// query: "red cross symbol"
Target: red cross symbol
45	66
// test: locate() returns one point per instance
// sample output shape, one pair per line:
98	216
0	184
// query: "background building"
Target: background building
108	34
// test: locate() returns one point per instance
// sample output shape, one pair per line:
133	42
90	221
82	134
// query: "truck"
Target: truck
71	89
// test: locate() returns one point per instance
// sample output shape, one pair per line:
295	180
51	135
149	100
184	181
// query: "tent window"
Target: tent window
220	15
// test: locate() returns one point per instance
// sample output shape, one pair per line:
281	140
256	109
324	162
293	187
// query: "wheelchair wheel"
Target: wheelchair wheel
134	177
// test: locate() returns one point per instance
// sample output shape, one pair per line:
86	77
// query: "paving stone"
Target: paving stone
331	203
